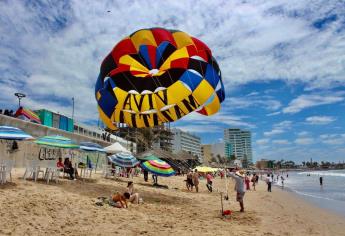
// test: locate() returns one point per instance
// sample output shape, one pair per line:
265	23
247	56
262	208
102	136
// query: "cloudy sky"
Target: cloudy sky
282	61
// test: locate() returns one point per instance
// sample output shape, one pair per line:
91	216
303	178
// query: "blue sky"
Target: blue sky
282	62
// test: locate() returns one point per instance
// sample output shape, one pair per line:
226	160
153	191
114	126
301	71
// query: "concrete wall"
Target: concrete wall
27	150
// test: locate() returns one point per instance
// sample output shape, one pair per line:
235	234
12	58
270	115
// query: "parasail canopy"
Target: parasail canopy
157	75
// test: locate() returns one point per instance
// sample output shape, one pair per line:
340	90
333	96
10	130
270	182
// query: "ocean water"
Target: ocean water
331	195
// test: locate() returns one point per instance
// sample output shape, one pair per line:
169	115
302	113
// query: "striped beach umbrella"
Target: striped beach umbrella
92	147
158	167
57	141
13	133
123	159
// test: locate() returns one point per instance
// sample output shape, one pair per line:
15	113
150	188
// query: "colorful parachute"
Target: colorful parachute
155	76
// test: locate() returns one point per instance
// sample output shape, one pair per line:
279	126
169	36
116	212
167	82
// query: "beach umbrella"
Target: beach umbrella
116	148
205	169
13	133
57	141
92	147
158	167
123	159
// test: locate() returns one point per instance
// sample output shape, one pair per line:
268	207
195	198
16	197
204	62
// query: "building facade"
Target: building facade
238	144
184	141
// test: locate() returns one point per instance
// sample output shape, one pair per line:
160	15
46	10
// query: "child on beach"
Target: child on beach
119	200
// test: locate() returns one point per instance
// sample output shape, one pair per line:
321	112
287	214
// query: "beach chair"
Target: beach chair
52	172
2	173
33	170
8	166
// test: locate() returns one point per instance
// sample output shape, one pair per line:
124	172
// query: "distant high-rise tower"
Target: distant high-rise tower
238	143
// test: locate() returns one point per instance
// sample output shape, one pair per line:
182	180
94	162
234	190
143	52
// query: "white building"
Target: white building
184	141
238	143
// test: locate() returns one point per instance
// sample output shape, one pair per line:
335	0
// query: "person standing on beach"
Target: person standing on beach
196	180
247	182
269	183
253	180
321	181
189	181
282	179
239	187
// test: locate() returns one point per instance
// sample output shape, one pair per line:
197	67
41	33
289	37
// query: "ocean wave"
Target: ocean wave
313	196
323	173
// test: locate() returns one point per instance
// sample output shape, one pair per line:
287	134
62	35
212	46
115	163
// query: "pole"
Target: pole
72	108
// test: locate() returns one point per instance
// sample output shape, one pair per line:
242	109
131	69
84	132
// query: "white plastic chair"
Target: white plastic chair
33	169
52	172
2	173
8	166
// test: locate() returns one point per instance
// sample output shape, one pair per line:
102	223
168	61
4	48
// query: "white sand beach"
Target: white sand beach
68	208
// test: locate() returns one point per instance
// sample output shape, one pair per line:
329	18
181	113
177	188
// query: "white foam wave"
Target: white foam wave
323	173
313	196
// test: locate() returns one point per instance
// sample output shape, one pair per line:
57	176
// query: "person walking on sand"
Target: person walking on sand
239	187
196	180
209	182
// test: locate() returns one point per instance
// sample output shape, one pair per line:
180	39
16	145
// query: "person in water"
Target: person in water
321	180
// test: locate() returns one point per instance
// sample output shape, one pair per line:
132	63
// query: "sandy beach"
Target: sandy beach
68	208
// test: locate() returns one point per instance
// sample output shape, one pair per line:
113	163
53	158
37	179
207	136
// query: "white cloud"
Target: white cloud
311	100
320	120
281	141
303	133
262	141
279	128
274	113
333	139
253	100
304	141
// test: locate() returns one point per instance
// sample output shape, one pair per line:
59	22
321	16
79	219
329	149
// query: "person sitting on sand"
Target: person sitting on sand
196	180
133	196
239	187
119	200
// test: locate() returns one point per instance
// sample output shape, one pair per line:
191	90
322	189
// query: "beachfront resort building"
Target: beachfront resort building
212	152
185	141
238	144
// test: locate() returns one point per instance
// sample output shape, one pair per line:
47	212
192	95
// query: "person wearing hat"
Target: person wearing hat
239	187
